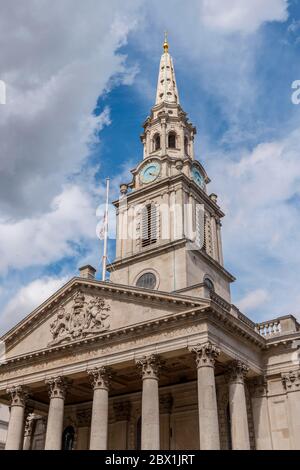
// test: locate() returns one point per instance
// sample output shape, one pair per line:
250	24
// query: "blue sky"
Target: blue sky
78	92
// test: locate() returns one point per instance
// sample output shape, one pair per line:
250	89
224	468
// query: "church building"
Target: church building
156	357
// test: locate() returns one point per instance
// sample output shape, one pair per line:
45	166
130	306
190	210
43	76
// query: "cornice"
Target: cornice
147	252
169	181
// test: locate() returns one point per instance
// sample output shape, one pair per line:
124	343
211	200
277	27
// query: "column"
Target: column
29	424
192	151
148	144
15	431
164	137
100	378
206	355
237	406
219	238
120	434
215	250
261	421
57	392
150	367
291	382
165	406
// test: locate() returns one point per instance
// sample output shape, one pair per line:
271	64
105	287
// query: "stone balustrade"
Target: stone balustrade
270	328
278	326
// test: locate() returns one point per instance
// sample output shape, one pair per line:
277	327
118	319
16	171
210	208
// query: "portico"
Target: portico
103	409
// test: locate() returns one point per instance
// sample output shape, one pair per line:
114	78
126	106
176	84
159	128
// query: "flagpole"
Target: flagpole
104	258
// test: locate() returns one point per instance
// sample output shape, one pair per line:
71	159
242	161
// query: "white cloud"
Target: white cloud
230	16
47	238
253	300
260	194
28	298
56	59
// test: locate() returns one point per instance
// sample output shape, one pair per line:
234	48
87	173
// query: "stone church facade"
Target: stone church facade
157	357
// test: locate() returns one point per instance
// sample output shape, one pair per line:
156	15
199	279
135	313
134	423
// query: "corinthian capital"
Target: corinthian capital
206	354
150	366
100	377
258	386
291	381
57	387
18	395
237	371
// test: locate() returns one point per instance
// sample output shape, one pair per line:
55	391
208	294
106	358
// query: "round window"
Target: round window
147	281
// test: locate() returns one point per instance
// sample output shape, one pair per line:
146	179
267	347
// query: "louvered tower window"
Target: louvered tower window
149	225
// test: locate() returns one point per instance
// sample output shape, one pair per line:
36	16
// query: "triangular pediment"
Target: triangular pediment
86	308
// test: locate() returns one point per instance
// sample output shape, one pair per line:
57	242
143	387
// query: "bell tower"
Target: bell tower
168	227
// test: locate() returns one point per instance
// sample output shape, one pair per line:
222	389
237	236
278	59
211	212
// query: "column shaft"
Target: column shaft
238	409
150	402
15	431
29	426
99	425
261	421
57	386
164	138
207	399
291	382
150	415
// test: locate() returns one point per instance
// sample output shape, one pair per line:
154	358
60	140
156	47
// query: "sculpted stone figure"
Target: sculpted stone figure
97	314
78	318
60	326
83	319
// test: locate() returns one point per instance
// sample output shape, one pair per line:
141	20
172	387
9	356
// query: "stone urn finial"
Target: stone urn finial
123	189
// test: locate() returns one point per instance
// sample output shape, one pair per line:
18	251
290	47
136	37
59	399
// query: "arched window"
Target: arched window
68	438
172	140
147	281
186	145
209	284
156	142
149	225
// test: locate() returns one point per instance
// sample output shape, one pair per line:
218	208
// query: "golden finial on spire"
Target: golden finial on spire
166	44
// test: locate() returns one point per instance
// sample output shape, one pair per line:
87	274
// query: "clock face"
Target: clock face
198	178
150	172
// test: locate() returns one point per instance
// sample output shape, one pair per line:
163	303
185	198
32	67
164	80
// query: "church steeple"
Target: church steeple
169	227
166	86
167	131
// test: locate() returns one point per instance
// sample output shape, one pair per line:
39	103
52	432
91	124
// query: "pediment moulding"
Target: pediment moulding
158	325
40	314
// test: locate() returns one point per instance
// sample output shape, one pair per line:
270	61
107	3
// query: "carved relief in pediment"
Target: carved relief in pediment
83	318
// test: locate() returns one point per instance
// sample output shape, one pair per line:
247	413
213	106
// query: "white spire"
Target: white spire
166	86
